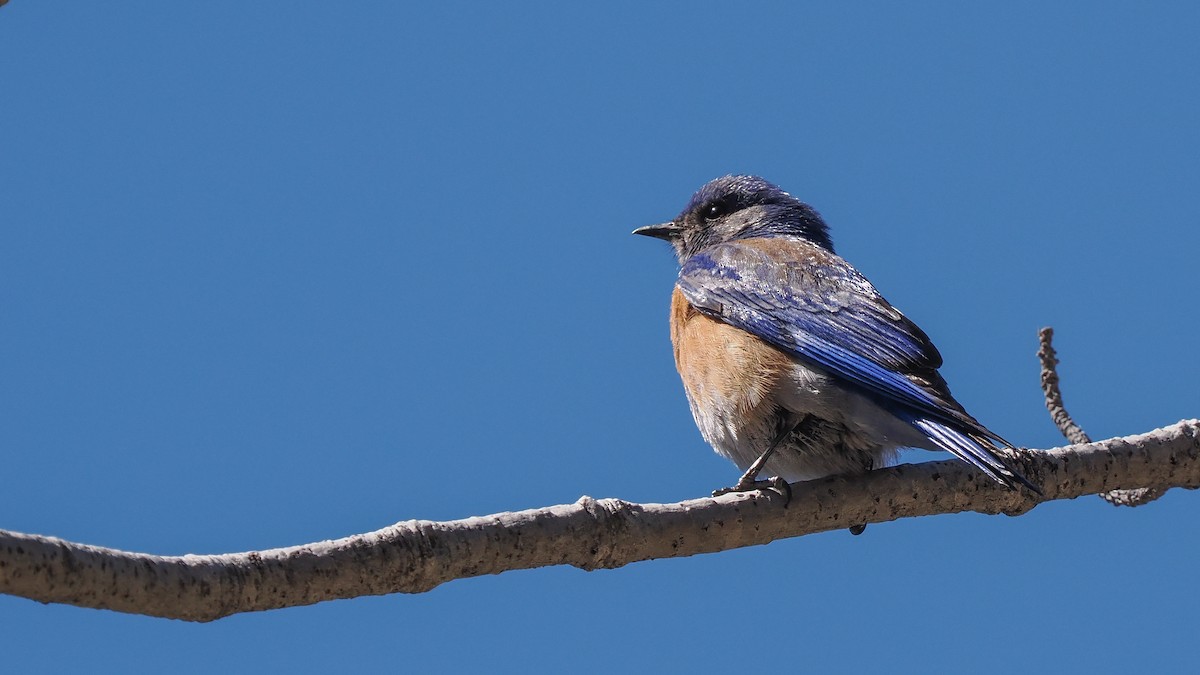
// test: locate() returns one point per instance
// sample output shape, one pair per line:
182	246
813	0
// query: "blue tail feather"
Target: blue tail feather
978	451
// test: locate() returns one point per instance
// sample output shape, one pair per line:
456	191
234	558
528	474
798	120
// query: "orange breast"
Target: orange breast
725	370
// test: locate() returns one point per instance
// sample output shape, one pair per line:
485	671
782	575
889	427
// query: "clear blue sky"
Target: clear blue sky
279	272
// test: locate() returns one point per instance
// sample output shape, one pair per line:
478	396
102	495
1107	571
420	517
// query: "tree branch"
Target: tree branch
415	556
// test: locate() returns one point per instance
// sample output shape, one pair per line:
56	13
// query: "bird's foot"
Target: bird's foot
749	485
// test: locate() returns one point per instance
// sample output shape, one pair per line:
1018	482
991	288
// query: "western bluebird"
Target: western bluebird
791	360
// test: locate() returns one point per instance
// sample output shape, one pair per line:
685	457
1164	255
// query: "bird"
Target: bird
792	362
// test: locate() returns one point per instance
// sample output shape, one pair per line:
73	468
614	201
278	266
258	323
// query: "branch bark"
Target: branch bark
415	556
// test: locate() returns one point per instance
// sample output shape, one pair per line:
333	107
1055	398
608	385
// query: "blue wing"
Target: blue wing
811	303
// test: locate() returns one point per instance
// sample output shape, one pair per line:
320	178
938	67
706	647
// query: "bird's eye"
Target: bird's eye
716	210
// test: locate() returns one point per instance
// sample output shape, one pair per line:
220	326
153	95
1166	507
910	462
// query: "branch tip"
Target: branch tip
1072	431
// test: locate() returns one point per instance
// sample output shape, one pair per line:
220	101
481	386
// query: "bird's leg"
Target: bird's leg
749	480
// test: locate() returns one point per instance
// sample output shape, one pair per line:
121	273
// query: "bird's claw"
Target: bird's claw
746	485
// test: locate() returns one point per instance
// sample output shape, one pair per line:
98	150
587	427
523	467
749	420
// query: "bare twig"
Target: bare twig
416	556
1054	402
1072	431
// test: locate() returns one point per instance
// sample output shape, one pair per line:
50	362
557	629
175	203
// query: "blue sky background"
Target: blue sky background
272	273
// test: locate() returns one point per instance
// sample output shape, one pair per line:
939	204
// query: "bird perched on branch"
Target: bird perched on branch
791	360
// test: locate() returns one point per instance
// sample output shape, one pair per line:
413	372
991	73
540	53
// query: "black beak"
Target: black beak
664	231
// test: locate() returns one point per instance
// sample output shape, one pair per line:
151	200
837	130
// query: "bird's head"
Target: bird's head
739	207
